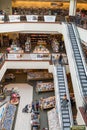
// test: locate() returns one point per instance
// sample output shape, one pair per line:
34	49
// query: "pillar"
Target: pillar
72	7
6	5
1	40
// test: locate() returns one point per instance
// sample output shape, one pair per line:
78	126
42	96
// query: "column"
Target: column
72	7
6	5
1	40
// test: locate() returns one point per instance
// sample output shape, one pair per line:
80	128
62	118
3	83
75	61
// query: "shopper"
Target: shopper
65	101
57	57
85	108
60	59
37	105
33	106
53	60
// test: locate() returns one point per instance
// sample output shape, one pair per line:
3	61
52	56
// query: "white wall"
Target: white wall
73	70
31	27
39	27
25	65
83	34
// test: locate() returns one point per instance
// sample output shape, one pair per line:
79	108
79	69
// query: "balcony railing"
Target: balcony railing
31	57
31	18
79	21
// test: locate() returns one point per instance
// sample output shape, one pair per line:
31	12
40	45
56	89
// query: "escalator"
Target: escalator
66	113
78	59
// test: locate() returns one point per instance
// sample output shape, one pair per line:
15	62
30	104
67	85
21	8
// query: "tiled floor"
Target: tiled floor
26	96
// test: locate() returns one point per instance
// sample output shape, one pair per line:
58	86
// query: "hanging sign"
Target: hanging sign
32	18
49	18
1	18
14	18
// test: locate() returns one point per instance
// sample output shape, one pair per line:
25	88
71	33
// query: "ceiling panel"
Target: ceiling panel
42	0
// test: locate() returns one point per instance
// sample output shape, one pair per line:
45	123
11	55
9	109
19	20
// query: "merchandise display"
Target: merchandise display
35	119
9	77
44	87
8	117
14	99
47	103
27	45
41	42
53	120
14	52
55	45
40	49
15	49
38	75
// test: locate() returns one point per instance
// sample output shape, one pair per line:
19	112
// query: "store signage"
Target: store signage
49	18
80	127
1	18
32	18
14	18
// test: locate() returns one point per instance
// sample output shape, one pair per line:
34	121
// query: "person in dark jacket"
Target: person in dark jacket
65	101
60	59
37	105
33	106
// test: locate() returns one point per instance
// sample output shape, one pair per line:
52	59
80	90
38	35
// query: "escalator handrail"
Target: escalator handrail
79	45
68	96
58	101
81	52
76	69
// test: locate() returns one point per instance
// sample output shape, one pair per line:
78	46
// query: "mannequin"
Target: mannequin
27	44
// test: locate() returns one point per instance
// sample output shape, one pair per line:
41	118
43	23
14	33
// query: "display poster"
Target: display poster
80	127
14	18
1	18
49	18
32	18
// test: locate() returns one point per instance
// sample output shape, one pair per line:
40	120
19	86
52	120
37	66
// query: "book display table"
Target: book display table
40	49
8	117
48	103
38	75
44	87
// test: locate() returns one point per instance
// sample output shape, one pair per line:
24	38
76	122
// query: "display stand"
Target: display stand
41	49
48	103
38	75
28	45
44	87
8	117
55	45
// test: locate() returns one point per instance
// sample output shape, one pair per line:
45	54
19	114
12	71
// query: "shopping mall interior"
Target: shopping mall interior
43	61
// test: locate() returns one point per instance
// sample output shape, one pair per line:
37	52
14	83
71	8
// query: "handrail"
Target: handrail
39	18
59	108
33	56
81	52
68	96
58	101
79	45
